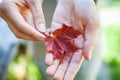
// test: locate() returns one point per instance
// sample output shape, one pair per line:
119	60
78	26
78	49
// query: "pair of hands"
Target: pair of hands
81	14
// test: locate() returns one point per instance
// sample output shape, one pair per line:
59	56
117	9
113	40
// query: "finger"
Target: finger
74	65
17	33
37	12
49	59
20	24
20	35
26	13
59	75
89	19
52	69
90	38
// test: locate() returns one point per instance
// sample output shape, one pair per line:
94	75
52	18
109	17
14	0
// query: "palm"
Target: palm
81	15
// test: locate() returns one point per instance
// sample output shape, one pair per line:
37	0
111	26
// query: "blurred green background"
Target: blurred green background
23	67
110	23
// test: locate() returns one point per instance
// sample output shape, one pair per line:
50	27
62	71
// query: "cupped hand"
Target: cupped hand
18	14
82	15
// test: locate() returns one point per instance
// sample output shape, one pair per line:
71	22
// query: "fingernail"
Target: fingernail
49	71
41	27
90	55
49	31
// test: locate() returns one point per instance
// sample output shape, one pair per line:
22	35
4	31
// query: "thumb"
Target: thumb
38	16
58	17
90	39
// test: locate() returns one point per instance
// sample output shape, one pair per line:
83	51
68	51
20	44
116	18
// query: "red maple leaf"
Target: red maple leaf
61	42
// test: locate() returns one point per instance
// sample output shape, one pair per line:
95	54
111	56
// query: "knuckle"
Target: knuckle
62	68
72	71
4	6
76	61
67	59
68	78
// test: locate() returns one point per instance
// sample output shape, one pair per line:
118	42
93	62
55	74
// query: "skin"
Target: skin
18	13
82	15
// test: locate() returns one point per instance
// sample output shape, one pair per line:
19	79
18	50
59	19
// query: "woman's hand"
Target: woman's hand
18	14
82	15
